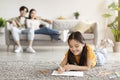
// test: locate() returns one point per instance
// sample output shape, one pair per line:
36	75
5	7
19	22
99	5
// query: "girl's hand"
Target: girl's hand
69	67
61	70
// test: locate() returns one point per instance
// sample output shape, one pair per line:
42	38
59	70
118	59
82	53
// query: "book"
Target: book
68	73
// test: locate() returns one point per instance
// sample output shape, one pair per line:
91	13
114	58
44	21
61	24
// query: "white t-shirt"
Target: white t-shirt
33	23
22	20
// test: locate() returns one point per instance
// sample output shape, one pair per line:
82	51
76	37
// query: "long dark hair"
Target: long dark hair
83	57
29	17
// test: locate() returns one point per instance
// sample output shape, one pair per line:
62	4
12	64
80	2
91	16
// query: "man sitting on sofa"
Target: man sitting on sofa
19	28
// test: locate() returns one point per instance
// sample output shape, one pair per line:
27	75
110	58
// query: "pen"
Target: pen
60	67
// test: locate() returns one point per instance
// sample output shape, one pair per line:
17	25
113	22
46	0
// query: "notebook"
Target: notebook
68	73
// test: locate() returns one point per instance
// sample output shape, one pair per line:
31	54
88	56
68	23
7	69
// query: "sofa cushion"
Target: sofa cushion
37	37
64	24
42	37
88	36
82	27
90	30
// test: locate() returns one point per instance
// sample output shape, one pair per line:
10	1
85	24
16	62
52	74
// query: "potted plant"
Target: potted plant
113	25
2	24
76	14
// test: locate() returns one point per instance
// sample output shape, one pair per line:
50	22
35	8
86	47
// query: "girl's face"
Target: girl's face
33	14
75	47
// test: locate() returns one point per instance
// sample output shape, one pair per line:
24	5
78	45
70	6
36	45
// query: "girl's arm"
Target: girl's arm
46	20
63	63
72	67
76	67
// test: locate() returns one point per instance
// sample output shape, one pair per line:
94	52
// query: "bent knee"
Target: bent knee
14	30
31	30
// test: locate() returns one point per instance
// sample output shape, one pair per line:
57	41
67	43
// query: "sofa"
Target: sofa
45	40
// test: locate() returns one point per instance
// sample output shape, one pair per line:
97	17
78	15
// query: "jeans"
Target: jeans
101	55
47	31
16	33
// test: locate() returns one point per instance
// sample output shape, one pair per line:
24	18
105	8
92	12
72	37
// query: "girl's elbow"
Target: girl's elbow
88	68
85	68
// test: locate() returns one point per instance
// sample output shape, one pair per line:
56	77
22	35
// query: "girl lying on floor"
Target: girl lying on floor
81	56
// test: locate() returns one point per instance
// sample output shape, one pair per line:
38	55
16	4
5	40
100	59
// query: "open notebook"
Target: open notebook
68	73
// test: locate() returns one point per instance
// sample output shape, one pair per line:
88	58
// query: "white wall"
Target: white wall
53	8
90	10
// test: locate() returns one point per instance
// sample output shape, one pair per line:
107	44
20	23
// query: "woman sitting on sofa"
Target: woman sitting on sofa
40	27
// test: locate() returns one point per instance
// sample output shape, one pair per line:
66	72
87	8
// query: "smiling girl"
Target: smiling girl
80	55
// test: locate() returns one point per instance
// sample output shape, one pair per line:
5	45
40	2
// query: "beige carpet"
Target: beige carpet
16	67
22	70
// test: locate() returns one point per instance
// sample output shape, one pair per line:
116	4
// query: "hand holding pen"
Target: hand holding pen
61	69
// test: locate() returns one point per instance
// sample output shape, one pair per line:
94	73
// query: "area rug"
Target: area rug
24	70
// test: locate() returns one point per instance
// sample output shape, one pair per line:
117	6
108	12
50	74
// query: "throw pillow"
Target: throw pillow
61	18
89	30
82	27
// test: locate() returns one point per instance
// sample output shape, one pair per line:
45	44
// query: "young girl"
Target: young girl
80	55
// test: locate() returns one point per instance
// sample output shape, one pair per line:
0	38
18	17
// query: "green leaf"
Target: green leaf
117	18
107	15
2	22
114	6
76	13
113	25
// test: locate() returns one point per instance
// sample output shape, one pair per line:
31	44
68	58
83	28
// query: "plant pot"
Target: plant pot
2	29
76	17
116	47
